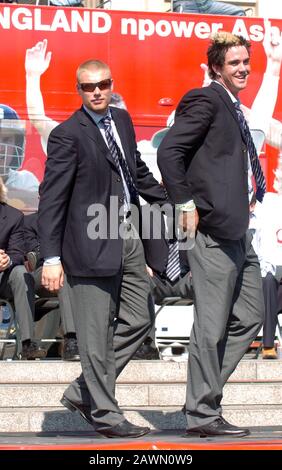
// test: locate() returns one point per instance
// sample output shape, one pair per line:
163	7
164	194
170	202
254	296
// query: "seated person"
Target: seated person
70	348
266	225
16	283
163	282
208	7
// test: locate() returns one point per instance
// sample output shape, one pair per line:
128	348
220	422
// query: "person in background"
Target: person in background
266	226
15	282
32	249
208	7
207	161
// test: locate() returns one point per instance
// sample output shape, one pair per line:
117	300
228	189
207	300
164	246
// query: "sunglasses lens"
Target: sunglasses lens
90	87
104	84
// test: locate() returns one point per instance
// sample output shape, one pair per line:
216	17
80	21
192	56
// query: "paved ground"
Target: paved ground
259	435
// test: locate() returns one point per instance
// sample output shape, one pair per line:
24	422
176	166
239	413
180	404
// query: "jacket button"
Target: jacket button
118	179
121	199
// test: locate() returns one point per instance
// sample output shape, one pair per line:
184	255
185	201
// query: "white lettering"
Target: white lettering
60	22
202	30
83	22
216	27
240	29
146	28
25	22
5	18
129	22
163	28
101	22
38	26
182	28
256	33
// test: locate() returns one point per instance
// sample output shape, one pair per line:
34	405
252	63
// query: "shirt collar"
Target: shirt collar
97	117
232	97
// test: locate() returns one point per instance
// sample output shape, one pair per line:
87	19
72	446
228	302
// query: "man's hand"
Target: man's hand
52	277
4	261
188	222
150	271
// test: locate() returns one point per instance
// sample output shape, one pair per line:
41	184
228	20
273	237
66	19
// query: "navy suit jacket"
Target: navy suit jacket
11	233
203	157
80	172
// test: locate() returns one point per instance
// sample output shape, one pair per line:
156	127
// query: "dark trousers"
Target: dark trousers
272	292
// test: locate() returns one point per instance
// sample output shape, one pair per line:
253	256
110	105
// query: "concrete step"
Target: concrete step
141	395
151	393
48	371
61	420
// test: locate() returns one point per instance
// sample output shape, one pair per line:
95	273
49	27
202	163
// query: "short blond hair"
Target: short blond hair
91	64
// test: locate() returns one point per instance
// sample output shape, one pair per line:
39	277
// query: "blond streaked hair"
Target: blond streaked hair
219	45
3	191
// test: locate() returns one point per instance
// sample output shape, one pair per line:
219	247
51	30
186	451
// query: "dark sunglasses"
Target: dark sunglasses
90	87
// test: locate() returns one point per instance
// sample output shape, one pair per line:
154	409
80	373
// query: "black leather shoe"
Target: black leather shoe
70	350
32	351
124	429
84	411
219	427
146	352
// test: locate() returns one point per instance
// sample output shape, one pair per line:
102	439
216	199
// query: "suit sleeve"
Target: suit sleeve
148	187
56	190
15	248
31	241
176	152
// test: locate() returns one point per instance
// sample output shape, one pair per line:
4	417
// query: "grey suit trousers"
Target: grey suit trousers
65	311
229	312
113	316
18	286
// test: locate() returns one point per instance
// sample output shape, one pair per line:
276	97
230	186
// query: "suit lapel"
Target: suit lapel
219	89
92	131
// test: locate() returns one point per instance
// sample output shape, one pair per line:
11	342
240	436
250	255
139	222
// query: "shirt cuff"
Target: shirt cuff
52	261
188	206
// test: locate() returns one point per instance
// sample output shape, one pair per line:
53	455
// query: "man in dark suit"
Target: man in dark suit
93	176
15	282
32	251
205	159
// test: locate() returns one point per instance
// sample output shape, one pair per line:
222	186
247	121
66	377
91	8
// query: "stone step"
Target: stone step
48	371
61	420
151	392
141	395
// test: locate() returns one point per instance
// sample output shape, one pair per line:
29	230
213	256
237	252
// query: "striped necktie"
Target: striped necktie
120	162
254	159
173	263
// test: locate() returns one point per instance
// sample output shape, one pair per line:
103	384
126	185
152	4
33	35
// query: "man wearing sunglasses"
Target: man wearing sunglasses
93	159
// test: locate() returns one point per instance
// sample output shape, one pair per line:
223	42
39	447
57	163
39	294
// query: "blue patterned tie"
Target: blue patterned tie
120	162
173	263
255	163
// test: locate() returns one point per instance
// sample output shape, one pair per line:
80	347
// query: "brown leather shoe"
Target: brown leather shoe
269	353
